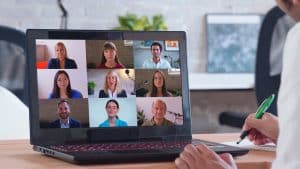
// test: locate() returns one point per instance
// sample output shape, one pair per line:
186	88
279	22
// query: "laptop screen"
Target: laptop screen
108	83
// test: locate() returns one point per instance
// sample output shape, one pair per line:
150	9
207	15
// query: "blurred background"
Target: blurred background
179	15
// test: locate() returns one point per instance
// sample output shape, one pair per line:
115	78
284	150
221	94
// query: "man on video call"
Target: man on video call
159	110
64	120
156	61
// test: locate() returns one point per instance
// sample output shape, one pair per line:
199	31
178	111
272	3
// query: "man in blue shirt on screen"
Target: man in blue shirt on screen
156	62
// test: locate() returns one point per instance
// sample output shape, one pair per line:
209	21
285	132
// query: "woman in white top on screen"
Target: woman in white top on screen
284	130
112	86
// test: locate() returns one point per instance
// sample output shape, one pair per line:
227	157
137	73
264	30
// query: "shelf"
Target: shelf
221	81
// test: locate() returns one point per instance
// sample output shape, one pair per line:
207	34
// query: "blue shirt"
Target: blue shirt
74	95
119	123
63	125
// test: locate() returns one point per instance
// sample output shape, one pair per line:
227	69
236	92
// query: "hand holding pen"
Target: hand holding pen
261	128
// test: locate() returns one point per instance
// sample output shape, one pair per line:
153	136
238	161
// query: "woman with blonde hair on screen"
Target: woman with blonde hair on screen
62	61
112	86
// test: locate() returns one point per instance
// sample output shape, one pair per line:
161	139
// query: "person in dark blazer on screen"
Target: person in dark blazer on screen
64	120
112	86
62	61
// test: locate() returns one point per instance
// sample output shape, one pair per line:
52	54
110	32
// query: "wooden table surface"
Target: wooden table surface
19	154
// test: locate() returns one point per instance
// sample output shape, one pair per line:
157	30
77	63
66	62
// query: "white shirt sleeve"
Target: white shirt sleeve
288	149
168	65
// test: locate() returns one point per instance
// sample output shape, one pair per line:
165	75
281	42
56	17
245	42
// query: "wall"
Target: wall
207	105
187	15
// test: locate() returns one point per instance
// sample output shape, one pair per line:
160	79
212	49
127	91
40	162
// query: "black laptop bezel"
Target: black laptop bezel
41	136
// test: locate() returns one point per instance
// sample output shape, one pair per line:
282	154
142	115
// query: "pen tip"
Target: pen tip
238	142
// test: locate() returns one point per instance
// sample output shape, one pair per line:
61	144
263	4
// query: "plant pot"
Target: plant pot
91	91
140	122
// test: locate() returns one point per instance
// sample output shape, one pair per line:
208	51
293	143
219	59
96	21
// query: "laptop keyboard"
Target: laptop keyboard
128	147
118	147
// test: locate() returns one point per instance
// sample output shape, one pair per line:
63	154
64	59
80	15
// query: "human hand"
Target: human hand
262	131
201	156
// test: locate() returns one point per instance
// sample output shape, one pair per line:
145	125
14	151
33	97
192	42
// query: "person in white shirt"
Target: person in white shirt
112	86
15	117
156	62
282	130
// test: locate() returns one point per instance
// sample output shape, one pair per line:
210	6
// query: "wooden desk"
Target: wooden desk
252	160
19	154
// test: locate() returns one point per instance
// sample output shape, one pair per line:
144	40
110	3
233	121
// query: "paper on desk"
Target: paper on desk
246	143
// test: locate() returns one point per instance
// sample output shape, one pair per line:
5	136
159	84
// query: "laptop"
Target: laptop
110	96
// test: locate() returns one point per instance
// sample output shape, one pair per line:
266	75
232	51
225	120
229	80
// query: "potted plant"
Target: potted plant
91	87
140	116
132	22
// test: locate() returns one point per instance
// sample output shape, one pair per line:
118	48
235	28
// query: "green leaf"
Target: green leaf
133	22
91	85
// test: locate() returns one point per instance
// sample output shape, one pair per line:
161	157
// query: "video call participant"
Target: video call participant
110	58
64	120
159	87
156	62
62	87
159	110
61	61
112	86
112	110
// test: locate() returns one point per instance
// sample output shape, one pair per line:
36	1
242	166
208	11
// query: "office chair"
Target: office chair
265	84
13	62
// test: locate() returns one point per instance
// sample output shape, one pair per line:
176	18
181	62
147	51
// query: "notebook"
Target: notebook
110	96
246	143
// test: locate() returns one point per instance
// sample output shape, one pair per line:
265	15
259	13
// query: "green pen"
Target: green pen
258	114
